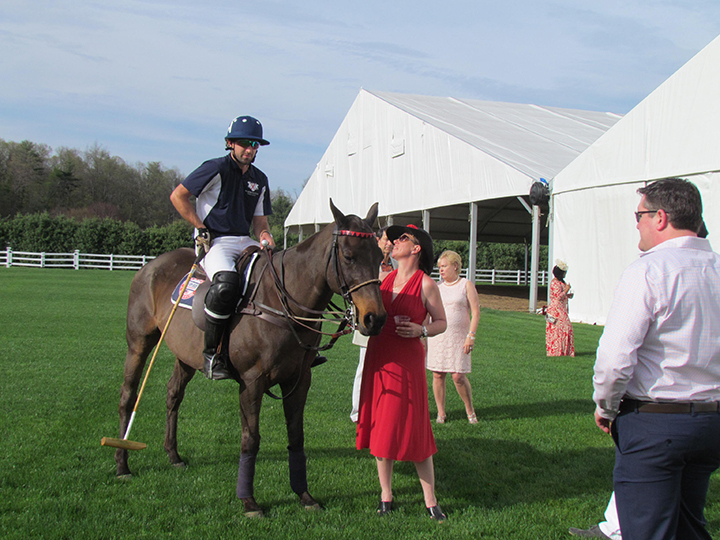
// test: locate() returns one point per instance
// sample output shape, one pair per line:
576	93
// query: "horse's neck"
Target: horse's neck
303	274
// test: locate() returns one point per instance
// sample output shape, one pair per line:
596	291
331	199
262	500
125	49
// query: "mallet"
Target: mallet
124	442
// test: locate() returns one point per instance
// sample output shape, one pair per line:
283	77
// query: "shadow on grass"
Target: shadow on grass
495	473
471	472
530	410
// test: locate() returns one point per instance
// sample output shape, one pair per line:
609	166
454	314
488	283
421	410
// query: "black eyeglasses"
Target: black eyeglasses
245	143
638	215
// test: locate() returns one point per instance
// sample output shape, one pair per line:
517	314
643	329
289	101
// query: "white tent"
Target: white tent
675	131
444	163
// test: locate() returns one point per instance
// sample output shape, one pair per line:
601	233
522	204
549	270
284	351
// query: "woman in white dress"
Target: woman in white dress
450	352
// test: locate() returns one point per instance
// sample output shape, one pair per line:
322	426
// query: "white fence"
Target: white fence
494	277
79	260
74	260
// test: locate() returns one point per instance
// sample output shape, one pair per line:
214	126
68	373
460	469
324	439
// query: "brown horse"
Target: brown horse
342	258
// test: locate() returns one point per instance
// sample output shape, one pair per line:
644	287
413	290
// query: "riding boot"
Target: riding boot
216	363
220	302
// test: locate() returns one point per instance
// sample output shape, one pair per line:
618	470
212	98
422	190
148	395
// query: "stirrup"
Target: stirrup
318	361
215	367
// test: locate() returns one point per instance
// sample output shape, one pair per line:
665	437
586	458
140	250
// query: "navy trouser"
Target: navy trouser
663	464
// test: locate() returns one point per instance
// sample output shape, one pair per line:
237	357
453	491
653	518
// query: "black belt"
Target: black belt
634	405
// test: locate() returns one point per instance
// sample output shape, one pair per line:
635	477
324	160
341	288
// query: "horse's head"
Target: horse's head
355	266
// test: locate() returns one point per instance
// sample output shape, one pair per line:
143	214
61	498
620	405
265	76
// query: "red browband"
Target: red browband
357	234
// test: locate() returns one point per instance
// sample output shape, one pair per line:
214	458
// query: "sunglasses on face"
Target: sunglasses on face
405	237
246	143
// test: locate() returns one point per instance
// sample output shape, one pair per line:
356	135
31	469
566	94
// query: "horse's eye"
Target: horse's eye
349	256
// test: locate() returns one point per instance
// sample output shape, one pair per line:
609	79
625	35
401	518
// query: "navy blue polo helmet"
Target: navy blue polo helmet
246	127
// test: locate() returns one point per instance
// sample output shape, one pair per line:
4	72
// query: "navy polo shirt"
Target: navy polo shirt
227	200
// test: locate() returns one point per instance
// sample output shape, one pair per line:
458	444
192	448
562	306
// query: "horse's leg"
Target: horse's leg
294	408
139	348
250	402
175	393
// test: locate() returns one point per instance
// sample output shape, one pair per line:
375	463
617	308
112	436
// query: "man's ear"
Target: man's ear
663	221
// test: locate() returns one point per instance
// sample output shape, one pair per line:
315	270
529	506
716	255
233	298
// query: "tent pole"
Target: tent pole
472	263
534	259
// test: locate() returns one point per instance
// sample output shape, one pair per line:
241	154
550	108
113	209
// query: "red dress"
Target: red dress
394	420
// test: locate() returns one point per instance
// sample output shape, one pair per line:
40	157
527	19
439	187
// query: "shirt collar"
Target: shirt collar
681	242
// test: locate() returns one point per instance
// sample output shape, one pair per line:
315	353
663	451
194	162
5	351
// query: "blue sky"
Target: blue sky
160	81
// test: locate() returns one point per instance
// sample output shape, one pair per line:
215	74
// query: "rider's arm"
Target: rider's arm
180	198
262	229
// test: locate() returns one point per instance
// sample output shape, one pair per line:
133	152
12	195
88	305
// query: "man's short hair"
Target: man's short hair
680	200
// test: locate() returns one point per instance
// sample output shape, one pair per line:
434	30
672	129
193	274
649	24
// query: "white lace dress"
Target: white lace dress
445	351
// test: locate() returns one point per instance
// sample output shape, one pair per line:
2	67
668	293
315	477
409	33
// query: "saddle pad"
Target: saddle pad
187	298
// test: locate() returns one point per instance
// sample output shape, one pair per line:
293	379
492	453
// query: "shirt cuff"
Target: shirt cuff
604	413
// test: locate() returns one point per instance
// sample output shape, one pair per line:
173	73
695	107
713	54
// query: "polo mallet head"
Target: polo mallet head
122	443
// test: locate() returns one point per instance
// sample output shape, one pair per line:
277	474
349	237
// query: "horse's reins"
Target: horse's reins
346	291
286	299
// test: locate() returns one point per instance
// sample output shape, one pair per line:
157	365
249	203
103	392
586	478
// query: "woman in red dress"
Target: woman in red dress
394	419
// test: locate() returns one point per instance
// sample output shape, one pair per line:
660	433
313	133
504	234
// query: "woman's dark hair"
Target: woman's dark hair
379	233
560	274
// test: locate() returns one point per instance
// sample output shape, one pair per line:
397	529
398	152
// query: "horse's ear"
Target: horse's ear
372	215
337	214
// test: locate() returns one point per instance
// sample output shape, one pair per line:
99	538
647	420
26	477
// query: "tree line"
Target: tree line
94	202
84	184
97	203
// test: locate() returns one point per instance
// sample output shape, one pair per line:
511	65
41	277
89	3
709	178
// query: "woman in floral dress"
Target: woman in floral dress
559	332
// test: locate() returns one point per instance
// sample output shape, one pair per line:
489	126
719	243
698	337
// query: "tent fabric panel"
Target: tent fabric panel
675	131
535	141
594	232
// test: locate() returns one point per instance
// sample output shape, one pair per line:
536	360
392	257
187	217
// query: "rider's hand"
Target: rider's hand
203	240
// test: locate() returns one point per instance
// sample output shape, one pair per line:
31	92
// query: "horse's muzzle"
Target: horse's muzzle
372	323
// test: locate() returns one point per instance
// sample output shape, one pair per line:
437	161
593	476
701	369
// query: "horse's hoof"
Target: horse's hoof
252	510
124	477
180	465
310	504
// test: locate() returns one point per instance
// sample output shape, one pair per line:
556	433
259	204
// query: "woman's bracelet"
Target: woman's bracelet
265	231
471	335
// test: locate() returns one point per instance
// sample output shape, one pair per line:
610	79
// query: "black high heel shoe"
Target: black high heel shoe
436	513
385	507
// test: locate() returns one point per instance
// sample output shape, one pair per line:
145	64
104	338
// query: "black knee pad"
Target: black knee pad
223	295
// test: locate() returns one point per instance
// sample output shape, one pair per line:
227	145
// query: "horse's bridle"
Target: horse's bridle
340	278
346	291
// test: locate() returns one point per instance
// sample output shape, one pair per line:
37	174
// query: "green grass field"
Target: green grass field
534	465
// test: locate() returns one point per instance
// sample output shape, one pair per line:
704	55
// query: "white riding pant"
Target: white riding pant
224	253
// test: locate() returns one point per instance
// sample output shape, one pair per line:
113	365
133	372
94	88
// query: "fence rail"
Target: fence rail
79	260
74	260
495	277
